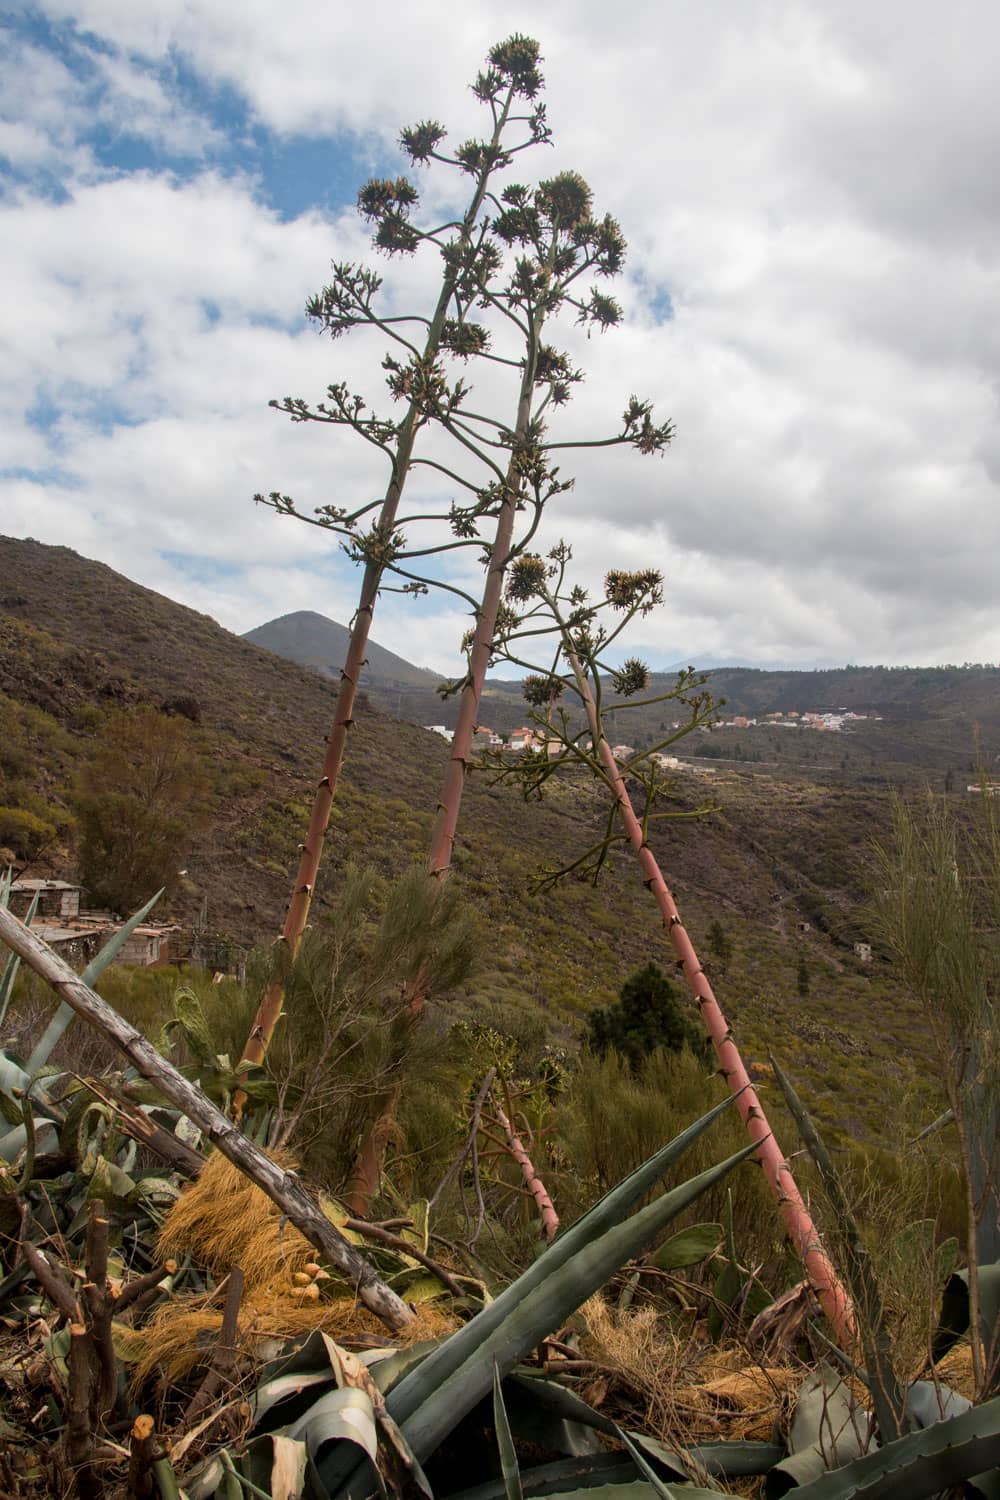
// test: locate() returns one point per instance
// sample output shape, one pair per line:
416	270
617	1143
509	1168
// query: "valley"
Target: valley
780	857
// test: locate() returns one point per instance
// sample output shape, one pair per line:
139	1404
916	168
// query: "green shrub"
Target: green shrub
612	1117
647	1015
24	832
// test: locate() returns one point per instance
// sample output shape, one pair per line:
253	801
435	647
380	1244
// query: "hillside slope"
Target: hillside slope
77	639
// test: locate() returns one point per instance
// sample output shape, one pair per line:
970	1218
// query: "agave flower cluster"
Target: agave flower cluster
582	632
521	259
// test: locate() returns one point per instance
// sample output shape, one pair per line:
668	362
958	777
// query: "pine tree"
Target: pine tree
646	1015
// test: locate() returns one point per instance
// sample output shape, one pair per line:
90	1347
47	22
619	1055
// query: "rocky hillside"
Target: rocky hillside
78	640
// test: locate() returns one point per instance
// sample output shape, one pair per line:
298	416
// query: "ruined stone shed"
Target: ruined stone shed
56	898
75	941
148	945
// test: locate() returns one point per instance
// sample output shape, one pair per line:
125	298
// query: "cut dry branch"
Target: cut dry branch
224	1356
283	1187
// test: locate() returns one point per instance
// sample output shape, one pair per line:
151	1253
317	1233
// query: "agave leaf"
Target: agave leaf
505	1443
887	1396
341	1415
935	1125
389	1365
53	1032
288	1468
732	1459
945	1260
419	1235
954	1318
921	1464
418	1288
159	1191
607	1472
13	962
302	1368
428	1403
545	1481
111	1183
283	1387
10	1109
611	1209
557	1398
12	1075
828	1429
538	1415
689	1247
658	1486
15	1141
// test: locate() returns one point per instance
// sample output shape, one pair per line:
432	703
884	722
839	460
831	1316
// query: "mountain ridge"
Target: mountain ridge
315	640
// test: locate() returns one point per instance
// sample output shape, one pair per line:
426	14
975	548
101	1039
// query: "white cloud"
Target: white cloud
812	186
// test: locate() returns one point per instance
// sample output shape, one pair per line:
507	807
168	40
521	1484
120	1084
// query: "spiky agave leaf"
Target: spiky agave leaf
919	1465
53	1032
608	1211
887	1396
432	1398
13	962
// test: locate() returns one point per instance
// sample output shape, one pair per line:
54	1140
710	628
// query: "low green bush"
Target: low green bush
24	832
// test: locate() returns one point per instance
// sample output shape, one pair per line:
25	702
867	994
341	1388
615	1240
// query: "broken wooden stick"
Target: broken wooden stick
224	1355
284	1188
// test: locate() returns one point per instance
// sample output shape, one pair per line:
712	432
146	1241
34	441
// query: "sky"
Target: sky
810	193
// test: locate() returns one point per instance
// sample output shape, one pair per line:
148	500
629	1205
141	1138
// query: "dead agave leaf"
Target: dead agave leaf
288	1468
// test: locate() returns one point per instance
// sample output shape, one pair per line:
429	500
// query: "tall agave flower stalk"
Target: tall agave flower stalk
580	644
557	240
512	75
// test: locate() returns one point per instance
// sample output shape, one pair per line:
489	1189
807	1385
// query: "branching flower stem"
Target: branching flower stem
312	848
804	1234
368	1163
449	805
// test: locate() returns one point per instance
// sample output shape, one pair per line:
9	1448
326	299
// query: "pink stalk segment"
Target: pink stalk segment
805	1236
534	1184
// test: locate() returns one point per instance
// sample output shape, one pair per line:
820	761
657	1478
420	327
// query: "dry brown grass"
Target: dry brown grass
181	1334
690	1393
223	1220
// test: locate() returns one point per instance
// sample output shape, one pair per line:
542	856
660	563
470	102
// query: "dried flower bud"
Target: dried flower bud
516	60
565	199
642	589
381	197
631	677
419	141
538	690
527	577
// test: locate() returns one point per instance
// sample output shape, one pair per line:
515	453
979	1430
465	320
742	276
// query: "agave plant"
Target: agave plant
22	1090
351	1428
13	962
329	1425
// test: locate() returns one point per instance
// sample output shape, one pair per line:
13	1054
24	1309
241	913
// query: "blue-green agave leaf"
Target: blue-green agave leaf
505	1443
828	1429
53	1032
14	961
427	1406
921	1464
